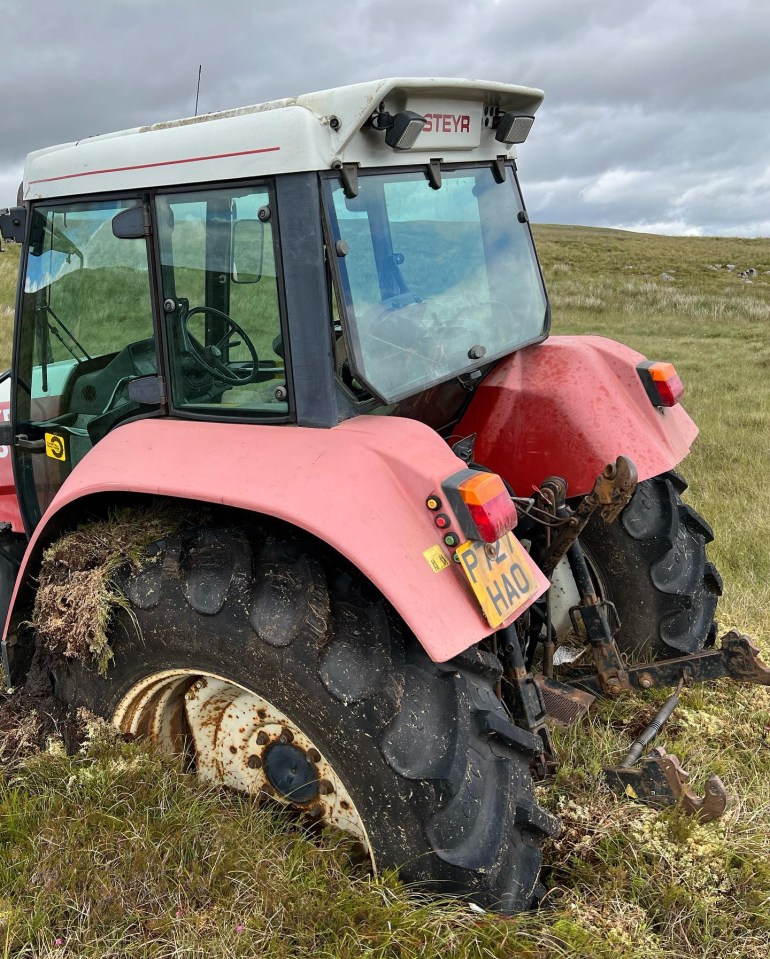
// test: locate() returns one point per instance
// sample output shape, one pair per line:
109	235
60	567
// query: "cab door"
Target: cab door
86	333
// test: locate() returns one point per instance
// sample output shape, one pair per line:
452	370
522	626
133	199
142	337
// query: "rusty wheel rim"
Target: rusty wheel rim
238	739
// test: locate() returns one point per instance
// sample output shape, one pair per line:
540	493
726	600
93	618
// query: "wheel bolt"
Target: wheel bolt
267	790
254	762
315	813
262	738
313	755
325	788
287	736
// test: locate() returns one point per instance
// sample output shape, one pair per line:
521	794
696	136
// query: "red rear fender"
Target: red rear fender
568	407
360	487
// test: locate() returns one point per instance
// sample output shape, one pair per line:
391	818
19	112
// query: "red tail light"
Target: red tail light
662	383
481	503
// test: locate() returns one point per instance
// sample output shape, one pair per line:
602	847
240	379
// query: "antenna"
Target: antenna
197	92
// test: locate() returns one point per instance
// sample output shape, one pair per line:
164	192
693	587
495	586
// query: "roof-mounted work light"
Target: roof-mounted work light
401	129
512	127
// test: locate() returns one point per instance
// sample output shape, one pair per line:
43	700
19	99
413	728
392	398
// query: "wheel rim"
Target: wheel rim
240	740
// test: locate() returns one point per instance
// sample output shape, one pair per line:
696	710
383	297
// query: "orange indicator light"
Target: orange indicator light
662	383
489	505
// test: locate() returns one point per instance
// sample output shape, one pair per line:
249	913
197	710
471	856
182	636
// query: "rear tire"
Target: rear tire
651	563
450	807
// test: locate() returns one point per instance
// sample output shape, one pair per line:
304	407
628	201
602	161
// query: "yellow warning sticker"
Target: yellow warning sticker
54	446
631	792
436	559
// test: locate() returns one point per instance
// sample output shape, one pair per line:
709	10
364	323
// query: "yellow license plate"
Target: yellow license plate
503	577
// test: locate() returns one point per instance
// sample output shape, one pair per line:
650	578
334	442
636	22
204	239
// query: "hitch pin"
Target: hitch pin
647	735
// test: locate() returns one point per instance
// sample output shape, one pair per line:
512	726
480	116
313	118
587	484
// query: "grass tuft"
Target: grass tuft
77	595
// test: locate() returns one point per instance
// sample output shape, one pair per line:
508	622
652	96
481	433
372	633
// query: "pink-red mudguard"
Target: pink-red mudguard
360	487
568	407
9	504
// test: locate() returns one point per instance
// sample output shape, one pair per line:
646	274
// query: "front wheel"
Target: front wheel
277	675
651	563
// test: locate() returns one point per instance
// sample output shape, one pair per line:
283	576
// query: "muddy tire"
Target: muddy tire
426	754
652	564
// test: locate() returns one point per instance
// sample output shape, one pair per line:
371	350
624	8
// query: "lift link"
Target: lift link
612	491
523	696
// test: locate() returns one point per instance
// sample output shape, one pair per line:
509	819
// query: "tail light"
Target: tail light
481	503
662	383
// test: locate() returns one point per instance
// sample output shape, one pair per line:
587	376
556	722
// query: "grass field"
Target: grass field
157	865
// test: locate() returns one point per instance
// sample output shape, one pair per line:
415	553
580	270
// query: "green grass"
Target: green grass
159	865
9	266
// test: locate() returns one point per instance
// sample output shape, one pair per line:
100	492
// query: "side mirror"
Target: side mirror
131	224
13	223
248	250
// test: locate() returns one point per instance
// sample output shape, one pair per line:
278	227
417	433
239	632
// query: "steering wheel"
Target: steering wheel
210	357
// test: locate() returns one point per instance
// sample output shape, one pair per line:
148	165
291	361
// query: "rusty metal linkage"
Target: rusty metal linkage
653	728
737	659
523	696
660	780
612	490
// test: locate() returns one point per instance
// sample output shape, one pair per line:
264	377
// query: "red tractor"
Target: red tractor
423	529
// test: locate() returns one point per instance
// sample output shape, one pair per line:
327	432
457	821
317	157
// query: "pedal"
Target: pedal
564	705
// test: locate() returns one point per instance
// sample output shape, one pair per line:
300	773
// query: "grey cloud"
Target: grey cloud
656	113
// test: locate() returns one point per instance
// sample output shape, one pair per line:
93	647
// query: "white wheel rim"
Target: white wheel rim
242	741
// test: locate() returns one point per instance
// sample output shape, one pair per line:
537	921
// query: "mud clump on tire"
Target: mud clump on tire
31	717
77	596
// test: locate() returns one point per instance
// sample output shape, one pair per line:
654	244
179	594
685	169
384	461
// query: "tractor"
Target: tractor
423	530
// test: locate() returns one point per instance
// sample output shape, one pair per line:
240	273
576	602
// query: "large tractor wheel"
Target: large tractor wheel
280	677
651	563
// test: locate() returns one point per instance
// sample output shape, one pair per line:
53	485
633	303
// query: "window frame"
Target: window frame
22	461
349	329
235	416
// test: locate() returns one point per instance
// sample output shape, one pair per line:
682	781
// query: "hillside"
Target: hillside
159	866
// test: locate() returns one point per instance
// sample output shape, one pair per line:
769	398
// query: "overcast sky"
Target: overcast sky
656	117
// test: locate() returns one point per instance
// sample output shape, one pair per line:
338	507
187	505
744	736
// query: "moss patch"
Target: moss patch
77	596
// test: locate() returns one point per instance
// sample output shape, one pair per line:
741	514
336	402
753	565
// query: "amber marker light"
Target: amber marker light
661	382
481	503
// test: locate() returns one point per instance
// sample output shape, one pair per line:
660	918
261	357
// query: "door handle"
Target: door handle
25	443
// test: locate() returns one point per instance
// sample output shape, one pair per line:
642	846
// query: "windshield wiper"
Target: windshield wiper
86	355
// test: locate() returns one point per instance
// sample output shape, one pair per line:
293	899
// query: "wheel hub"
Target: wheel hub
289	772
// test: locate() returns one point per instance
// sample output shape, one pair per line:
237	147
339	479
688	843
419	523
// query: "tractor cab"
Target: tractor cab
304	327
363	250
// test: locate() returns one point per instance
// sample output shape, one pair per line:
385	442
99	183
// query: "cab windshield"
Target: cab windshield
436	282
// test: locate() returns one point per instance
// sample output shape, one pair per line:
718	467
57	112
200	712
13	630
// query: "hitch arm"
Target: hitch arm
737	659
660	780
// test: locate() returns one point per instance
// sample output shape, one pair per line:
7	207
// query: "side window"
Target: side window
86	332
220	287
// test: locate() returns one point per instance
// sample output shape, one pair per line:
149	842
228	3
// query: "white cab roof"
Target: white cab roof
315	131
